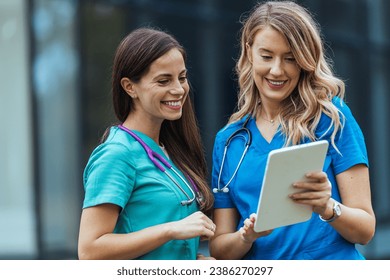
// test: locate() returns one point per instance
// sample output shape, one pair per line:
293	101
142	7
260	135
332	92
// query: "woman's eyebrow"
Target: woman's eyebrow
269	51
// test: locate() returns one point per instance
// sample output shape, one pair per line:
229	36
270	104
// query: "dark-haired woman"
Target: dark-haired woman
146	194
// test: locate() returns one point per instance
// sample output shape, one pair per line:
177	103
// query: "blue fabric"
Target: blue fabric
119	172
313	239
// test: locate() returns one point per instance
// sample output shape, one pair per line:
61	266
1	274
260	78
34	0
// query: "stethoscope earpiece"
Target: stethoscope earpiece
185	202
224	190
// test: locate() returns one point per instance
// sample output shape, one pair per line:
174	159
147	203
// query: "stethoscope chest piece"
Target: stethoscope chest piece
199	198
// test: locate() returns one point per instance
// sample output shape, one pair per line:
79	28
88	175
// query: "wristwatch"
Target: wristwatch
336	213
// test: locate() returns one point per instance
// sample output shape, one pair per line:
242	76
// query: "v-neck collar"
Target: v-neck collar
260	142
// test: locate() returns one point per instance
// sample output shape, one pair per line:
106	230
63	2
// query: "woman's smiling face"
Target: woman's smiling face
274	69
162	91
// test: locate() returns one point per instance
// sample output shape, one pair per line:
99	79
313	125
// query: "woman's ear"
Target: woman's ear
128	86
248	51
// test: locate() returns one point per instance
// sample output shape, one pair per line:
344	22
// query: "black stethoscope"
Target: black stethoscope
153	156
248	142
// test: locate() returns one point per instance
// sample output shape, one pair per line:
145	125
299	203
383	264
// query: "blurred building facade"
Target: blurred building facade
55	61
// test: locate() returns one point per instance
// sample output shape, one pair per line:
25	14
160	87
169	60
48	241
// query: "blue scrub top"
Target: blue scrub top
120	172
313	239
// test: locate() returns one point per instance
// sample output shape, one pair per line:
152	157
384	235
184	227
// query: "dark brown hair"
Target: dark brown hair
182	140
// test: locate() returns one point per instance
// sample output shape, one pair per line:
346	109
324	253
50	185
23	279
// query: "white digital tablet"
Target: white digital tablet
284	167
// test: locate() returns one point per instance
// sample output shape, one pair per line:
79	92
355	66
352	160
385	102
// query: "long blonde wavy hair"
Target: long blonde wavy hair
301	112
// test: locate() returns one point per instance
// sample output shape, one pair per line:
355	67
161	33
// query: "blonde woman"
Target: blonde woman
289	95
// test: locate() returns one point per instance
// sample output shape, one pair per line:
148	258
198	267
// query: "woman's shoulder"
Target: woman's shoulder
343	109
229	128
325	125
117	144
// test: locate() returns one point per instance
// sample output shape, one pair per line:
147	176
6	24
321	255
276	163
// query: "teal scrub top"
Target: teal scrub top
119	172
313	239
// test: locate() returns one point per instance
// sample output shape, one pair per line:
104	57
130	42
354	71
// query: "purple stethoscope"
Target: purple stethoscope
153	156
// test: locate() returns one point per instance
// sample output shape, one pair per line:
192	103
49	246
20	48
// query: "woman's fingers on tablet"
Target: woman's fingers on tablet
247	223
253	217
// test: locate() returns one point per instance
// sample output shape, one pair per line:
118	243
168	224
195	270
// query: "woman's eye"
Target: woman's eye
266	57
163	82
183	79
290	59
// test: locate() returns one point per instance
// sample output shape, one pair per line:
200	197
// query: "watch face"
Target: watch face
337	210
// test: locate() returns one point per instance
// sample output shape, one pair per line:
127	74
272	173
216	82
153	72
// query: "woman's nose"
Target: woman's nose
177	88
277	68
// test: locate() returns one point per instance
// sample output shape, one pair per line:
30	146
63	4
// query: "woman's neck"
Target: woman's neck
148	128
268	114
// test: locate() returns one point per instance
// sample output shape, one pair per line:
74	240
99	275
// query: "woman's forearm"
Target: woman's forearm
229	246
125	246
355	225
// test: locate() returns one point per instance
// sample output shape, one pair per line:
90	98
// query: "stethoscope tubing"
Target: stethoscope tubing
248	142
152	155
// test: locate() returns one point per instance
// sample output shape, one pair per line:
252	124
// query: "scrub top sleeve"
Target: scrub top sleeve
350	142
109	176
221	199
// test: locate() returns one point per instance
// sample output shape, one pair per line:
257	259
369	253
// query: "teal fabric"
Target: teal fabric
120	172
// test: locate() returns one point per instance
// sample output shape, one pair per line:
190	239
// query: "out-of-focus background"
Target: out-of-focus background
55	66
